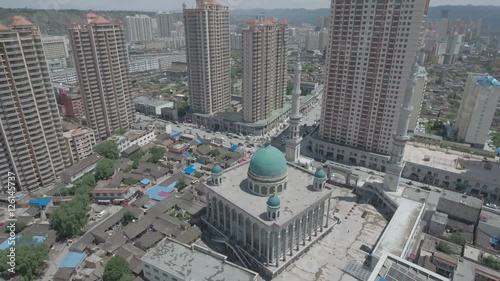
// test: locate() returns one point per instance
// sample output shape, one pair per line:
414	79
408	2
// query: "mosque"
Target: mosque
267	211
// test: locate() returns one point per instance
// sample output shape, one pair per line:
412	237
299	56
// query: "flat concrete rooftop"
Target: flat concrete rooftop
474	166
297	198
192	264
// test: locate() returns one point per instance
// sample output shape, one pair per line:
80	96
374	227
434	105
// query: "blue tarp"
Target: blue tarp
72	260
145	181
36	240
198	141
190	169
186	154
175	134
234	147
153	193
494	241
40	202
498	150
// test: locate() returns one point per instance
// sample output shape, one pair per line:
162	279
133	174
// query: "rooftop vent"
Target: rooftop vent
427	158
463	202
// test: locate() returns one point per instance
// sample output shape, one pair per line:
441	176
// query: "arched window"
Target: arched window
280	188
272	190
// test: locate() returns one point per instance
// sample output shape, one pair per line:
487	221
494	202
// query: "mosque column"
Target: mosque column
225	220
310	225
328	212
211	210
292	236
313	221
298	228
322	215
278	249
251	235
304	226
218	214
268	248
286	244
244	232
260	239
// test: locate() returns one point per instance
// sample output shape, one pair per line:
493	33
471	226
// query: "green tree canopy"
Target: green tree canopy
82	186
71	217
157	153
30	259
457	238
18	227
104	169
491	262
117	270
215	153
443	247
128	217
108	149
130	181
181	184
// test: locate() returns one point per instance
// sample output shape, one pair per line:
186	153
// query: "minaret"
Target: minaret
395	165
294	139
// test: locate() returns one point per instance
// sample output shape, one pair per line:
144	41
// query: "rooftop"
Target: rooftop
393	268
195	263
82	165
153	102
473	167
440	218
487	80
294	200
461	198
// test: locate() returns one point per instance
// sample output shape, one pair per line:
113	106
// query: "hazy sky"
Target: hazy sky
154	5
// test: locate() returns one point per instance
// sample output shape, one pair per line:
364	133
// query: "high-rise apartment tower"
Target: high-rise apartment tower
139	28
32	150
369	59
102	68
208	51
264	68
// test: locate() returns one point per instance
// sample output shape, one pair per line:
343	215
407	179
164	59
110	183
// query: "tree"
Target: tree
136	156
108	149
120	131
226	157
128	217
457	238
18	227
104	169
30	262
181	184
215	153
130	181
443	247
117	270
491	262
71	217
157	153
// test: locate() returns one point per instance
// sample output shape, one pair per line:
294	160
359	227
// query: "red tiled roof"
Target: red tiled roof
20	21
284	21
4	28
268	22
252	21
89	15
100	20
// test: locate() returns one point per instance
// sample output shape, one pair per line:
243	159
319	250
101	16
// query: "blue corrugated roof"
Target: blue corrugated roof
488	81
198	141
36	240
43	202
72	260
175	134
234	147
145	181
190	169
494	241
186	154
153	192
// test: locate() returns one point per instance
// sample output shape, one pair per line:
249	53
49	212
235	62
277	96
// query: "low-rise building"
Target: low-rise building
132	137
488	230
73	105
158	126
78	170
391	267
107	194
66	76
79	144
171	260
150	106
460	207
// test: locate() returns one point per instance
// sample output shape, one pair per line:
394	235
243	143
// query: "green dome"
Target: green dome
320	174
268	162
274	201
217	169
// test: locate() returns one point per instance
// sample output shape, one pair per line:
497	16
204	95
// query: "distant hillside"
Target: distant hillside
57	22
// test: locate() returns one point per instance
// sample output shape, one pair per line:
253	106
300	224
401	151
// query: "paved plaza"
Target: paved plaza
326	260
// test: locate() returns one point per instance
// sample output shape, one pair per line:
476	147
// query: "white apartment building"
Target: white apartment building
165	22
102	67
31	136
264	68
79	144
312	41
132	137
368	62
56	51
208	49
477	109
418	97
143	65
67	76
139	28
236	41
151	106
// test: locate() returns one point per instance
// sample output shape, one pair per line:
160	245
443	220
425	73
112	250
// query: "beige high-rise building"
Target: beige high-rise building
32	150
102	68
208	51
264	68
165	23
139	28
79	144
368	62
